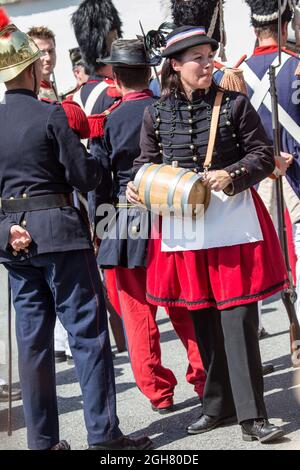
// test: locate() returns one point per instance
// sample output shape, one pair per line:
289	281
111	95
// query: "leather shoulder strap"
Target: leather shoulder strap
213	129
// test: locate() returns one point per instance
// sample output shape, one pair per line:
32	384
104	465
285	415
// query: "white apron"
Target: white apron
228	221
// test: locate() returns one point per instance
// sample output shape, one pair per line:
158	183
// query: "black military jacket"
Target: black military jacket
176	129
40	155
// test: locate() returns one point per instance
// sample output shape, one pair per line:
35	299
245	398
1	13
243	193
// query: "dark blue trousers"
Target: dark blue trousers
65	284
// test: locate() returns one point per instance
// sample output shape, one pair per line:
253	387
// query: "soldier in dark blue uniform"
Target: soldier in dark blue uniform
46	247
264	18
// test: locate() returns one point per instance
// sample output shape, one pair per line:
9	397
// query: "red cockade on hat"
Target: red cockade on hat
4	21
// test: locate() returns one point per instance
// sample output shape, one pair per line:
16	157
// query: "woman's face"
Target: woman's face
195	67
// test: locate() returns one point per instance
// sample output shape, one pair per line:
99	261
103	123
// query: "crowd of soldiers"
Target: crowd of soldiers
81	151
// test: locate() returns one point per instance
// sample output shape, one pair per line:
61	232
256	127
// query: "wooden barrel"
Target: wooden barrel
163	188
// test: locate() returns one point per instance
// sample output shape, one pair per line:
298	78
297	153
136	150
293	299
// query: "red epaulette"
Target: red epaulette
97	121
76	118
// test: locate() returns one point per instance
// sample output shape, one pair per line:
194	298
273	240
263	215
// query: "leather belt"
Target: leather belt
36	203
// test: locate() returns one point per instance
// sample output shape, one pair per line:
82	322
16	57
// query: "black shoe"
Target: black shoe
267	369
124	443
4	395
261	430
206	423
163	411
61	445
60	356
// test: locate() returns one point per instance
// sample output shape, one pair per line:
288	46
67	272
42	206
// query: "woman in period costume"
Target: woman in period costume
124	250
239	260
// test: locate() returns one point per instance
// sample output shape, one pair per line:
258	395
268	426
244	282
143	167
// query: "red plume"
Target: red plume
4	20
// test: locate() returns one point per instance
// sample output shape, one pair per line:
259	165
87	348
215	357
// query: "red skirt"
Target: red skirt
218	277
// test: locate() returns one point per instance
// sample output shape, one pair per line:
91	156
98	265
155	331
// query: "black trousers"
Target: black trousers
228	344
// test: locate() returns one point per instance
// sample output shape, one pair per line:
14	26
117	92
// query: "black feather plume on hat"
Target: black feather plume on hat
92	23
197	13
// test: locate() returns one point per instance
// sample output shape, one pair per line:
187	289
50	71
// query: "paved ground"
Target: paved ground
168	432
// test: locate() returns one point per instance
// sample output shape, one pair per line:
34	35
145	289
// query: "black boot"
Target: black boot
207	423
261	430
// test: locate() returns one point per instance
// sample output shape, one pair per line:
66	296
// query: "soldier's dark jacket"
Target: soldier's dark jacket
175	129
117	151
41	155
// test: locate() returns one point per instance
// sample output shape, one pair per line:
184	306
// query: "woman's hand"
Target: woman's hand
19	238
132	194
217	180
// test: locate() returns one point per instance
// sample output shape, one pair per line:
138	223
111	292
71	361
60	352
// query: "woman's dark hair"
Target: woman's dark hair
170	80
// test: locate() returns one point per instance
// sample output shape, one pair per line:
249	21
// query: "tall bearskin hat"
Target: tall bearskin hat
17	49
93	23
207	13
198	13
266	13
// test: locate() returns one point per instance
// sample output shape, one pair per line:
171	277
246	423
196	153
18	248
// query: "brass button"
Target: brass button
228	123
237	145
15	253
190	121
237	172
227	99
157	132
243	169
11	197
234	135
191	131
24	223
192	147
24	195
195	159
158	119
134	229
161	152
232	175
190	108
160	144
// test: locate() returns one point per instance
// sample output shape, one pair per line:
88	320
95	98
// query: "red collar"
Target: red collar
137	95
47	85
262	50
